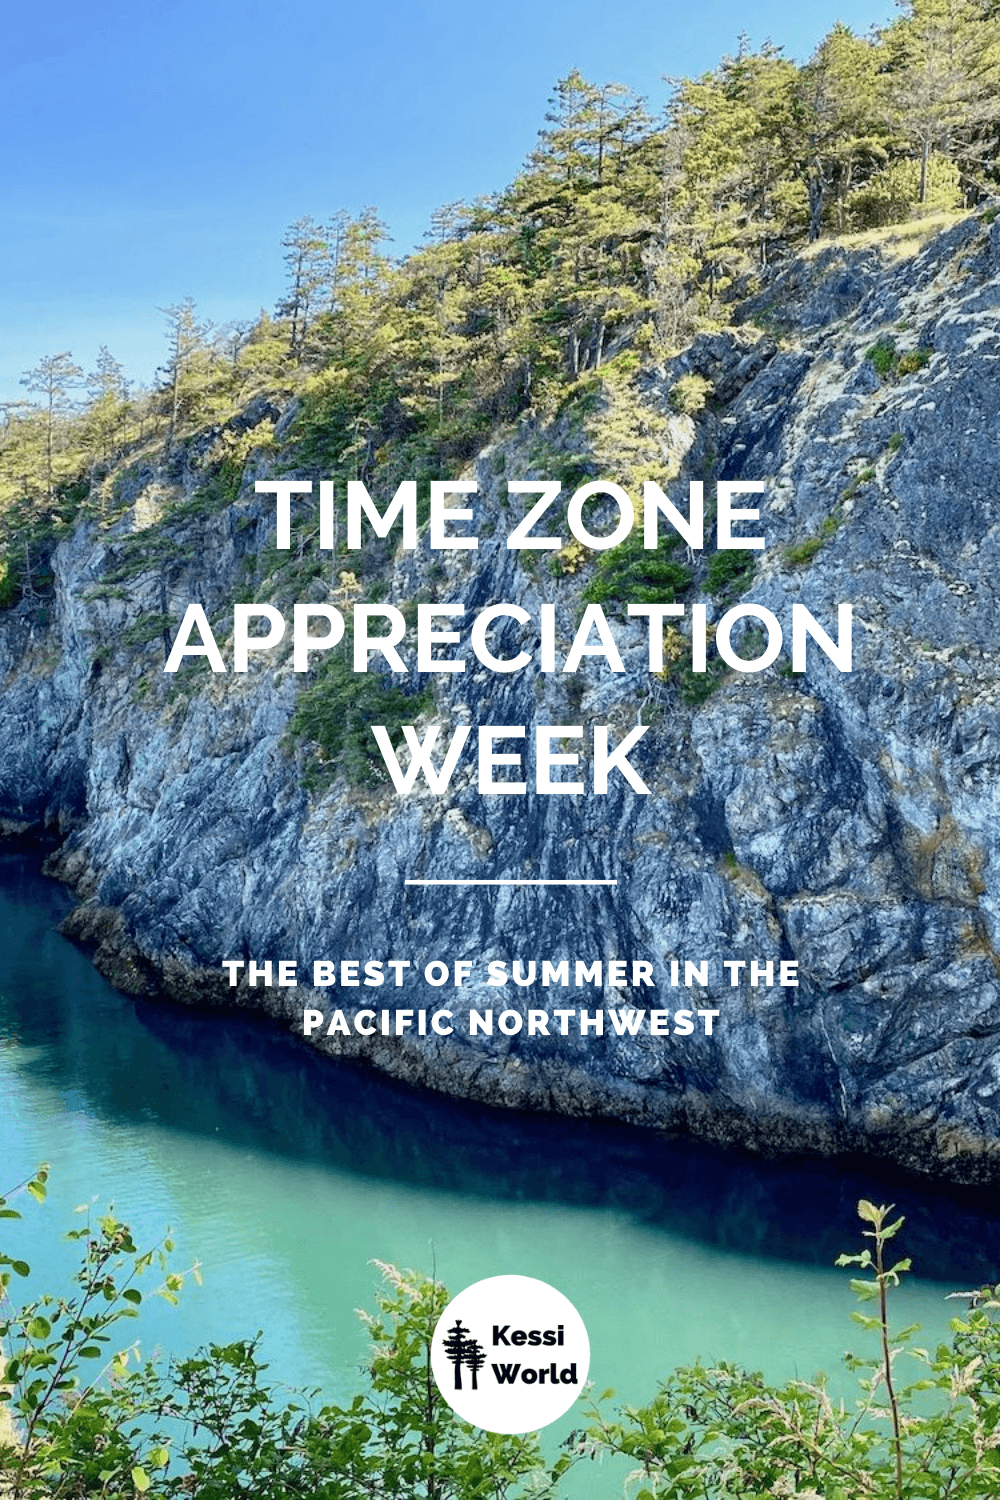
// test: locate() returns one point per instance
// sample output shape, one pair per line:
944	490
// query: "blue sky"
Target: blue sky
154	153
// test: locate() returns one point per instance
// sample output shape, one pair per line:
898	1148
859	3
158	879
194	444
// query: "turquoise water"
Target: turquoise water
286	1175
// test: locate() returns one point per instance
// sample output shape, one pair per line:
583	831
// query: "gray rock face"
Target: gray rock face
845	821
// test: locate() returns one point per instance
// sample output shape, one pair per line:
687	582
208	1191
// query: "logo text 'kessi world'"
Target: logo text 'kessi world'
474	1343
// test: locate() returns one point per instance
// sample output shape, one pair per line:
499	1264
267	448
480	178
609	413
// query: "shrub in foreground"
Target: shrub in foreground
925	1424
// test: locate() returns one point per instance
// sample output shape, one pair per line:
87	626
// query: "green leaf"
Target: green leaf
159	1457
39	1328
20	1267
140	1479
131	1295
90	1351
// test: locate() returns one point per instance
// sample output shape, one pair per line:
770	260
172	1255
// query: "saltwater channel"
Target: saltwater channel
286	1176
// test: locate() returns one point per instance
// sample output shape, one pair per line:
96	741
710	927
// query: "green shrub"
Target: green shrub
147	628
730	571
91	1421
913	360
721	1431
696	687
629	574
882	355
802	553
891	195
690	394
8	585
103	592
574	470
336	713
890	364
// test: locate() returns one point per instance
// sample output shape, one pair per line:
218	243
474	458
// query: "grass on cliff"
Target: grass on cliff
896	241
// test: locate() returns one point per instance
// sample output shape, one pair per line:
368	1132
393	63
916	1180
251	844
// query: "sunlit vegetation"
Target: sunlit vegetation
625	232
83	1413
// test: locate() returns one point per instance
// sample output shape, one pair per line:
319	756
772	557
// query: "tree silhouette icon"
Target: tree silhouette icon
474	1358
457	1345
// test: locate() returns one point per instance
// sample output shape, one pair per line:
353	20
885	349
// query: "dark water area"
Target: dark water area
286	1174
289	1101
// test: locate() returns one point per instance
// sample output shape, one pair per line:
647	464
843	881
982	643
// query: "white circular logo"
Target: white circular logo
510	1354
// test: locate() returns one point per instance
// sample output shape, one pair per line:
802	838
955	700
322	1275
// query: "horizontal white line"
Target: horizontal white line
510	882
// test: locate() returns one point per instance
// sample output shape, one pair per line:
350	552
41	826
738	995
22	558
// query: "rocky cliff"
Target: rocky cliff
846	821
